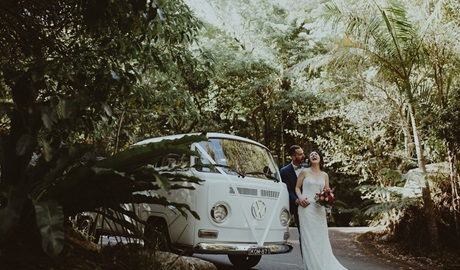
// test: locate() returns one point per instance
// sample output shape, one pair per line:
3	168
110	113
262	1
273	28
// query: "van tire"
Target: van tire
156	235
86	225
244	261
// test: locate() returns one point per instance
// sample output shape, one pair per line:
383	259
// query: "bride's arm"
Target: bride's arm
302	201
299	182
326	184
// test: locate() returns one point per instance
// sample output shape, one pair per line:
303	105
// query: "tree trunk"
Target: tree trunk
281	154
453	184
408	143
17	218
426	191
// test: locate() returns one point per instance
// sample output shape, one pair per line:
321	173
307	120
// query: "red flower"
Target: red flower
325	198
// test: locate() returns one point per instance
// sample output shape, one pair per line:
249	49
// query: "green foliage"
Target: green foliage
388	205
386	45
87	75
64	74
447	119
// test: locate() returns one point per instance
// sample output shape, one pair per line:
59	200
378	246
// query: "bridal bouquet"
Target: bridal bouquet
325	198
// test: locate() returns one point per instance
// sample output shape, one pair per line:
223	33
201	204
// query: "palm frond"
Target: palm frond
141	155
111	181
311	64
385	207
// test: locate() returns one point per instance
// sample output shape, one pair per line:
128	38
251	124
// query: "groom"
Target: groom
289	175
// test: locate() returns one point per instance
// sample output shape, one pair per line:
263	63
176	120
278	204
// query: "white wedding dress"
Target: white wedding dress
316	248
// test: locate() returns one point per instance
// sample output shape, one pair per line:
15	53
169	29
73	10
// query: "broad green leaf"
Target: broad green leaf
50	221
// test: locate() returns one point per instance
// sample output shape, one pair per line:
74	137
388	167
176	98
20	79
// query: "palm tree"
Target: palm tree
386	38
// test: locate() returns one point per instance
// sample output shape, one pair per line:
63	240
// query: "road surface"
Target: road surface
345	248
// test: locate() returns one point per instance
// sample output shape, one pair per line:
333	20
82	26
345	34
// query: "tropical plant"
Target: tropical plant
78	183
71	76
386	38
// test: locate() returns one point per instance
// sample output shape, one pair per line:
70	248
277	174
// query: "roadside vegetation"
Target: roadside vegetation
373	85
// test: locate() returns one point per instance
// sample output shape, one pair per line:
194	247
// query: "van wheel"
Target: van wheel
87	226
157	236
244	261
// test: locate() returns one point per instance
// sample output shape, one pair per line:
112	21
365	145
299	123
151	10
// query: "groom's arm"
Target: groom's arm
290	187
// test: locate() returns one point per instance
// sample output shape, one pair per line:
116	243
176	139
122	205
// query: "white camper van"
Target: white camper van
243	204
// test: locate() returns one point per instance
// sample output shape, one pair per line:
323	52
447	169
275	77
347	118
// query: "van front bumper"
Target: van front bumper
240	248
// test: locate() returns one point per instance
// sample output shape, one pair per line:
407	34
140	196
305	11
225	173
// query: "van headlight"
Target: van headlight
285	217
219	212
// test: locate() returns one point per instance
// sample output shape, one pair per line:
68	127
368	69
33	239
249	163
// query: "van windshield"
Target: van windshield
239	158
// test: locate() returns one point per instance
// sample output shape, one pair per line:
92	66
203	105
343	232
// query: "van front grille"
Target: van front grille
255	192
269	193
245	191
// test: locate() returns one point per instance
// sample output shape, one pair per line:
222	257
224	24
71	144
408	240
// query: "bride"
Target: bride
316	248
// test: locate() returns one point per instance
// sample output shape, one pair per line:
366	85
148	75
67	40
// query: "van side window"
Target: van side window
173	160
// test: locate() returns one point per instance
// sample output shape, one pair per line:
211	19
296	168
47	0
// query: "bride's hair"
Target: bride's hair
321	160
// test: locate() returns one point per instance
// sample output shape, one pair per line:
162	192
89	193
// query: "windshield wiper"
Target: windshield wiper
240	174
262	173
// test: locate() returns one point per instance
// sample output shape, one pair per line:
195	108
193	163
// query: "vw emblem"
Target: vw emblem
258	210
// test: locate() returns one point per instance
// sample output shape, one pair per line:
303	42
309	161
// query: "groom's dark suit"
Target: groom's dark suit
289	177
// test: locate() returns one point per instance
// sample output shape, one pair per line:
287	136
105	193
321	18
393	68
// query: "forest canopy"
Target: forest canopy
373	85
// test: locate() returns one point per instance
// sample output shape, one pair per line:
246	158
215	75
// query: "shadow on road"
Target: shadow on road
344	244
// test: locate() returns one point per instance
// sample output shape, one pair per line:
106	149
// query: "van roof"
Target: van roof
209	135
